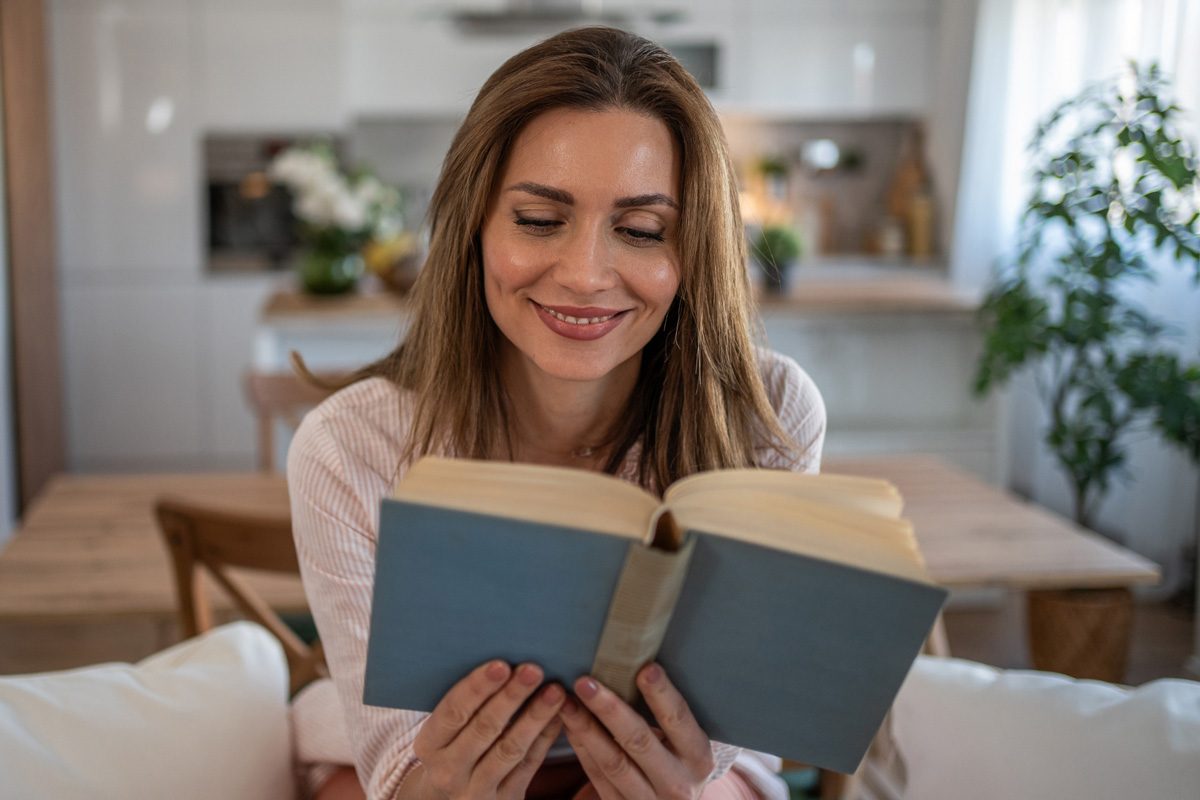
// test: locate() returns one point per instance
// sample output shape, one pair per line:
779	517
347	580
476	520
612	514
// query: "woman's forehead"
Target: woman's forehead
616	152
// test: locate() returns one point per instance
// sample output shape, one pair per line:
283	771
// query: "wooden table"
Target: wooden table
1077	583
974	535
86	576
88	552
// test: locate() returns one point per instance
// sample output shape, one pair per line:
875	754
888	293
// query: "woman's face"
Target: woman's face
579	246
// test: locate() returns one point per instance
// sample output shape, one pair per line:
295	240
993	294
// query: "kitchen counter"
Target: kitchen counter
842	288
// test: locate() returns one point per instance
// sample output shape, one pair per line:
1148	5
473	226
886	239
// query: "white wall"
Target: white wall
8	494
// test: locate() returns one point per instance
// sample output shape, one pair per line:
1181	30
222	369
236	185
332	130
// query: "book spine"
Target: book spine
639	615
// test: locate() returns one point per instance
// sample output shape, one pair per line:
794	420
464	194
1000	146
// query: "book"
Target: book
787	608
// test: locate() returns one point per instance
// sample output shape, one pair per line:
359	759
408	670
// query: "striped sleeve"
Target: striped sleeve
333	527
800	409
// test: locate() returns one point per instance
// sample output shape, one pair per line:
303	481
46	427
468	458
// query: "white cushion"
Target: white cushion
207	718
968	730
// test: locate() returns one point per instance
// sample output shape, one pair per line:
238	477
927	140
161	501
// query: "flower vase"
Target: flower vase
777	278
326	272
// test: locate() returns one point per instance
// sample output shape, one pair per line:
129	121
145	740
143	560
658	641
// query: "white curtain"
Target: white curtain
1028	56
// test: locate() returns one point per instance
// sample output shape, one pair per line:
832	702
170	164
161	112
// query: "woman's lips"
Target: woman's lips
579	322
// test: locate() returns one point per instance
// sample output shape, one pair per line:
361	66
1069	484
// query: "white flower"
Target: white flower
350	212
300	167
325	198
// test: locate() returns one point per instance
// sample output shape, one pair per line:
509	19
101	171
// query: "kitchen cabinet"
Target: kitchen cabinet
407	58
809	58
274	65
124	117
153	348
153	373
821	59
131	378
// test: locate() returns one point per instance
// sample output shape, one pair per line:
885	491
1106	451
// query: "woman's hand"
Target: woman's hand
623	756
476	745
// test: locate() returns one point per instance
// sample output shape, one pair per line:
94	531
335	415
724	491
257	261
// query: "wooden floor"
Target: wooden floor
1162	641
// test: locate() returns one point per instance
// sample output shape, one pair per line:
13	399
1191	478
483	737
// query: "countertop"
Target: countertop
843	286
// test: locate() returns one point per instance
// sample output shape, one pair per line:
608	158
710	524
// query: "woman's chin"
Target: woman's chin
576	369
576	372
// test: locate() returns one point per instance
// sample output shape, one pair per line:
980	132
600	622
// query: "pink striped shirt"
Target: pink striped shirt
343	461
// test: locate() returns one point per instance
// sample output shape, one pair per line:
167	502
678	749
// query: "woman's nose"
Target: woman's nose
584	264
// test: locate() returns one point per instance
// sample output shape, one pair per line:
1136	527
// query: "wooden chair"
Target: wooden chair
218	540
281	397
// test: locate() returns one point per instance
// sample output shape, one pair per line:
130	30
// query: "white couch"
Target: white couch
965	730
205	719
209	718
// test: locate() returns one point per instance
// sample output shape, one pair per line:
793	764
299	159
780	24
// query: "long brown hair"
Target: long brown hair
699	402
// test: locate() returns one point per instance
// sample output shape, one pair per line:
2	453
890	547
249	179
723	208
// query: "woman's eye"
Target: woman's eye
537	226
639	236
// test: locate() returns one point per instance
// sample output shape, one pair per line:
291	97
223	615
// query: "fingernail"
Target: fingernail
497	671
552	694
652	673
529	675
569	707
586	688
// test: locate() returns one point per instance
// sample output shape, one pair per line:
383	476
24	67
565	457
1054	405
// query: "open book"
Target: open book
786	607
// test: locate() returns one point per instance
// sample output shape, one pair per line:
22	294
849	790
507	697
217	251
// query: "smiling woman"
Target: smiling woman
585	302
580	263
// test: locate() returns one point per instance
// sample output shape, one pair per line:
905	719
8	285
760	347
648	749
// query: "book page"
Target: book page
803	526
549	495
871	495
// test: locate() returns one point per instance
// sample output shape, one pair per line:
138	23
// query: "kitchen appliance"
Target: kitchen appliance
249	225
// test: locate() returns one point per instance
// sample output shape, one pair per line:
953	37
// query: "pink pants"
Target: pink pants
730	786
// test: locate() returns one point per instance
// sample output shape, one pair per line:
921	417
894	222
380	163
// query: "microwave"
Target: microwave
249	225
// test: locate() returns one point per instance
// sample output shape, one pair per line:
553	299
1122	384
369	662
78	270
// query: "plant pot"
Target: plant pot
776	277
1083	633
323	272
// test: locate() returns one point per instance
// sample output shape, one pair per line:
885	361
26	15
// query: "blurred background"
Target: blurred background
886	137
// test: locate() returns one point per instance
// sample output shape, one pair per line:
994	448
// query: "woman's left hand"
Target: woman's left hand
623	756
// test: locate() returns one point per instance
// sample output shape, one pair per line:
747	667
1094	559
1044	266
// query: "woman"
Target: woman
585	302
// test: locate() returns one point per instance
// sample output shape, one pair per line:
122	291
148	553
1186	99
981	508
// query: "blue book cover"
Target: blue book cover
779	652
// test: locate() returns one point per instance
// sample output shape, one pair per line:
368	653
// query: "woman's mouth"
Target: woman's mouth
580	323
580	316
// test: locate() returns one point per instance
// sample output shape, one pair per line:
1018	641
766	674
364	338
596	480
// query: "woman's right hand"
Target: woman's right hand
476	745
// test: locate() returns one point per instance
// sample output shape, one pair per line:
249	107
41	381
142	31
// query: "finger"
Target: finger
588	792
489	722
675	718
632	734
598	786
517	781
513	747
459	705
610	759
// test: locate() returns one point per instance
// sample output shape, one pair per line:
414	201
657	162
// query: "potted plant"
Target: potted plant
1114	183
776	249
338	214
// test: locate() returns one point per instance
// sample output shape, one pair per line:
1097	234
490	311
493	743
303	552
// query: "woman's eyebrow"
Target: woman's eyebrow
548	192
566	198
655	199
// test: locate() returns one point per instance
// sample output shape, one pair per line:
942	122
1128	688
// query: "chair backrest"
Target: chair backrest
281	397
204	539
